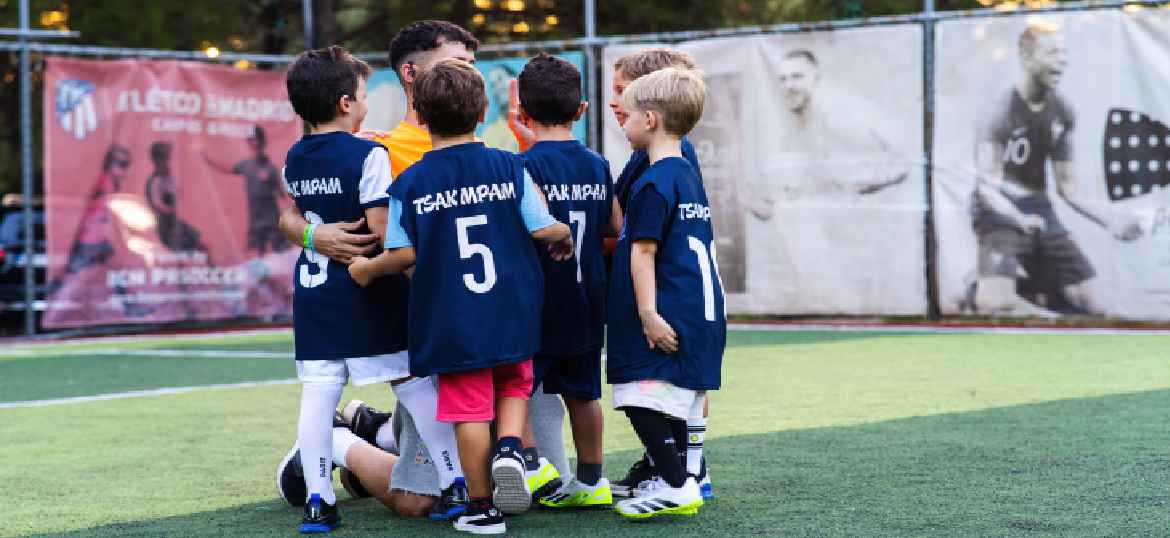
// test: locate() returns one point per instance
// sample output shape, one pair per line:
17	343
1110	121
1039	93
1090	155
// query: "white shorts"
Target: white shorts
361	370
659	396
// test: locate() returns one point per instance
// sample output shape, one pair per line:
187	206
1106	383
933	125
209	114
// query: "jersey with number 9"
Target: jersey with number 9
477	289
689	289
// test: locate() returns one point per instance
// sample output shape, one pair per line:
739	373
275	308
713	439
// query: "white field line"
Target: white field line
143	393
927	329
149	352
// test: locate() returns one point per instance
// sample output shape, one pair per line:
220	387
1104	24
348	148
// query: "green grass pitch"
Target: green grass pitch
814	434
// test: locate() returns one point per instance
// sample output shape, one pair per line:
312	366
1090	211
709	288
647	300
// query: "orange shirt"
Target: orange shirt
406	144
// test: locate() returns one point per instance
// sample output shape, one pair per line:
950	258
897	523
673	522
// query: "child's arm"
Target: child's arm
392	261
615	220
542	225
658	332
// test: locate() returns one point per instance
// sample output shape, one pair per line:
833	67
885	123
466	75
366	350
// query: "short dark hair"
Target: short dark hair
803	53
449	97
421	36
550	90
319	78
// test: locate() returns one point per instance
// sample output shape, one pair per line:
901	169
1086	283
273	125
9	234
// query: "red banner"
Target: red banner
163	189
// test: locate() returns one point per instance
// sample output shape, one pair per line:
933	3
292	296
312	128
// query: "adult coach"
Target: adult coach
1017	229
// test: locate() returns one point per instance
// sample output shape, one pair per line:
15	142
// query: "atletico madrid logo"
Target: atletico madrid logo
1137	154
75	109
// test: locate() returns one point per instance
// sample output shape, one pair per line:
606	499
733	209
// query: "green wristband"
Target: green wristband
308	238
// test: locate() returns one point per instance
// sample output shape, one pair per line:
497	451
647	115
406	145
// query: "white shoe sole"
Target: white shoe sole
279	471
511	495
499	528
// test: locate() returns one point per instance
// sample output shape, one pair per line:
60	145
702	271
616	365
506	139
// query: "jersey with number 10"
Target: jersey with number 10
577	186
333	317
689	290
477	289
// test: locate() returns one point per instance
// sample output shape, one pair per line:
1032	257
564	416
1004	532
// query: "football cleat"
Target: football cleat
511	495
320	517
544	480
481	518
640	472
647	488
364	420
577	494
290	478
452	503
704	479
683	501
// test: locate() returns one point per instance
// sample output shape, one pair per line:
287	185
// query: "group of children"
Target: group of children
498	262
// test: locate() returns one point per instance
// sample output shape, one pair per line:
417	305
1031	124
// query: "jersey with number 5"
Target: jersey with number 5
477	289
577	186
335	177
689	289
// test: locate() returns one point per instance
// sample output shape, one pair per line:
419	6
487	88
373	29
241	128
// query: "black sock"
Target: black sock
679	428
508	445
657	435
588	473
531	458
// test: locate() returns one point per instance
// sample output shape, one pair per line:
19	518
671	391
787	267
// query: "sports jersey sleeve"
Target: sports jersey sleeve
1062	149
375	179
688	151
395	234
532	210
993	127
647	215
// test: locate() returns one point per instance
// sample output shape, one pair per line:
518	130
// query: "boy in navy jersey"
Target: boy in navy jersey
464	217
342	331
627	69
576	183
666	307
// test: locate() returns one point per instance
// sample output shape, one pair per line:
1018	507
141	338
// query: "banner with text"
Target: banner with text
811	153
163	189
1052	162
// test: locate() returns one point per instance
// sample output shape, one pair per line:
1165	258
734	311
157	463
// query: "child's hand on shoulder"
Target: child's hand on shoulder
357	270
659	333
371	134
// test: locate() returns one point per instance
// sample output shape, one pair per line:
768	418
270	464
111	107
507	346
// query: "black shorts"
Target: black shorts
575	376
1050	260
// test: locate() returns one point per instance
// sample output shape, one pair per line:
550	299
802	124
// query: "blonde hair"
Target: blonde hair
639	64
674	93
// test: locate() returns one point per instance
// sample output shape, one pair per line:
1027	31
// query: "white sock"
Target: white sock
315	437
696	432
546	413
385	438
421	398
343	440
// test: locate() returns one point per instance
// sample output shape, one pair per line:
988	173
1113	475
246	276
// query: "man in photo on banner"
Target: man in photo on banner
1028	264
823	156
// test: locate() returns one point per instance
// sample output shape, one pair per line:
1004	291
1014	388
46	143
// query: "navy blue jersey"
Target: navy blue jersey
477	288
329	175
637	165
577	185
690	292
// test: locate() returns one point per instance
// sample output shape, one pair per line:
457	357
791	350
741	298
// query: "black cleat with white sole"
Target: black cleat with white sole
481	517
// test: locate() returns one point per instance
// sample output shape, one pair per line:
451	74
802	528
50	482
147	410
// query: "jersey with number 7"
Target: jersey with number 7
689	290
477	290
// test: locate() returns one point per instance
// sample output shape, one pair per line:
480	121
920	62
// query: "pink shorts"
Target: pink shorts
471	396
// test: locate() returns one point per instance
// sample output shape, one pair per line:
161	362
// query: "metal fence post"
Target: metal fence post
307	10
933	310
26	173
592	69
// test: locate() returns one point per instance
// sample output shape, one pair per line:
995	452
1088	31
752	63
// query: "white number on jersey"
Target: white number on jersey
706	263
467	249
320	261
578	218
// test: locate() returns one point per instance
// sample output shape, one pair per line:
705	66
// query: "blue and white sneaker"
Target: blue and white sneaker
452	503
704	479
320	517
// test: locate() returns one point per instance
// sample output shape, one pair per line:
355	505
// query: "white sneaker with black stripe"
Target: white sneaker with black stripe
511	494
481	518
682	501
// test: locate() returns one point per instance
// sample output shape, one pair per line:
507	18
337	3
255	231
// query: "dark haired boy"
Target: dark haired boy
577	185
342	332
464	217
